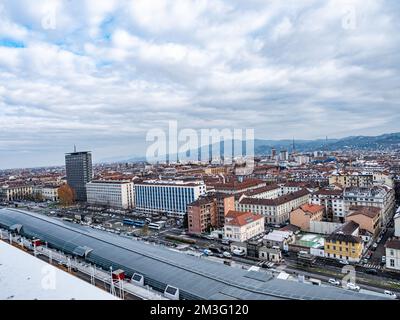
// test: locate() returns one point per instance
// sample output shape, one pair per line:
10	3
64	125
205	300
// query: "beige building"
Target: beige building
302	216
361	179
367	217
15	192
47	192
242	226
270	254
352	179
277	210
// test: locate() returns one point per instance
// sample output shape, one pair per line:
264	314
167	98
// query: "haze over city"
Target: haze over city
100	74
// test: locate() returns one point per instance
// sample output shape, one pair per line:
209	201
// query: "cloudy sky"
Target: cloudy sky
100	74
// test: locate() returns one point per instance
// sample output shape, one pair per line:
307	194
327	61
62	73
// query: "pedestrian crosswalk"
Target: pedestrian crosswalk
373	266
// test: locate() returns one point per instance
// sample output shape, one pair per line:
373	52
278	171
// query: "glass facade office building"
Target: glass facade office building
78	166
170	198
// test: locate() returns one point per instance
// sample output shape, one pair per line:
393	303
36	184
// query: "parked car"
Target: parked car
390	294
371	271
227	254
343	262
207	252
334	282
238	252
352	286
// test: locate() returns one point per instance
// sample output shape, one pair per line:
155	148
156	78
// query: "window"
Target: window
392	263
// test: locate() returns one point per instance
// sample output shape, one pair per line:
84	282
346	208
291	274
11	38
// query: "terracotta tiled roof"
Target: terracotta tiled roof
312	208
241	218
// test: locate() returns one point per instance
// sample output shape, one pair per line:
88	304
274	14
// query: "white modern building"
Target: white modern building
111	193
170	197
241	226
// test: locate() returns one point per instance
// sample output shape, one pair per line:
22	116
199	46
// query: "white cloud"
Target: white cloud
113	69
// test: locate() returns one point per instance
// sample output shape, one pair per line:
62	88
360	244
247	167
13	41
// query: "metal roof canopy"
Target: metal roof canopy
196	278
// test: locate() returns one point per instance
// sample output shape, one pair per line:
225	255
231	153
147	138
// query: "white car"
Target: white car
227	254
238	252
343	262
352	286
390	294
334	282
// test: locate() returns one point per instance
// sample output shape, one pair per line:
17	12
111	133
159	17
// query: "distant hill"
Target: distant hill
388	141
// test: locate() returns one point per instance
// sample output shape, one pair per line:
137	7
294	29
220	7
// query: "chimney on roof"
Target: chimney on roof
74	148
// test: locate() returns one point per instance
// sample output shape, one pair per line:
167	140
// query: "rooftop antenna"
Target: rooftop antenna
74	148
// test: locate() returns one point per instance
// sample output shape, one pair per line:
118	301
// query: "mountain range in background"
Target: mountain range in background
390	141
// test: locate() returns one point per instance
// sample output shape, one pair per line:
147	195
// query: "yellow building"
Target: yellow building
343	247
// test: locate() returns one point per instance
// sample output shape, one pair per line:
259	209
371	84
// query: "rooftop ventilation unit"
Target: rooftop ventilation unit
171	292
138	279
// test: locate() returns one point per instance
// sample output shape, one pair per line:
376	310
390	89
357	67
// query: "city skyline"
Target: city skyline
102	74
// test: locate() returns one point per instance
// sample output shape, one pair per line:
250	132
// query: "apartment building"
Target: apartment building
235	187
202	215
302	216
381	197
362	179
225	203
111	193
170	197
352	179
392	248
10	192
345	243
241	226
271	191
368	218
333	203
276	210
46	192
216	170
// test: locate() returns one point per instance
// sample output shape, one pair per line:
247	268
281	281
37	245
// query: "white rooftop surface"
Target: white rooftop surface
283	276
25	277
